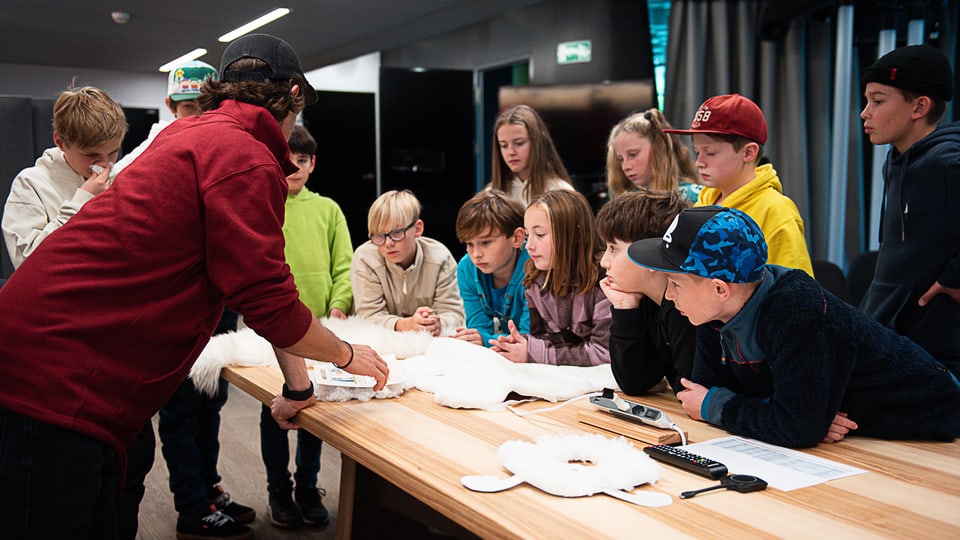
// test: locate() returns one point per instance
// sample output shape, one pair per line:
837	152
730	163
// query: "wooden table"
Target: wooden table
912	488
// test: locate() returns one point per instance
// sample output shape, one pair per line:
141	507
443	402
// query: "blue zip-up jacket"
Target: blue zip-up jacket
795	355
475	289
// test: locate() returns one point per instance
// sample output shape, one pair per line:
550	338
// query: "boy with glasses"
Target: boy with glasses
401	279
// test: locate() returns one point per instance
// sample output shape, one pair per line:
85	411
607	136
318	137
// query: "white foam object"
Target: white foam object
549	463
246	348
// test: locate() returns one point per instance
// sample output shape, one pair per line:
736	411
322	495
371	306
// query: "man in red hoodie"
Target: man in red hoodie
101	324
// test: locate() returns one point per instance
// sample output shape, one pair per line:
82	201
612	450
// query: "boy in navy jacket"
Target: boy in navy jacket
780	359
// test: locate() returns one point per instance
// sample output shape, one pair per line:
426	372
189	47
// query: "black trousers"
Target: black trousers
55	483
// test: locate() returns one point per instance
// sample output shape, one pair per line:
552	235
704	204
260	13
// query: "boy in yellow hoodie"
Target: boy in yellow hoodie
729	132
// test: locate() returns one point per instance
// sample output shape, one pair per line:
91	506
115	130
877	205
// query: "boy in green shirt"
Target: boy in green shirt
318	250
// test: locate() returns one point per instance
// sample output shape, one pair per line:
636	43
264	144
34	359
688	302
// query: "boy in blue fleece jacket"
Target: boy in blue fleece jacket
491	274
781	360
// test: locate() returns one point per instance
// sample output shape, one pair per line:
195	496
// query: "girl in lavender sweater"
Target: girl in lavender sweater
569	314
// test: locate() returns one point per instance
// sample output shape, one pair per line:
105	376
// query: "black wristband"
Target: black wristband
351	356
297	395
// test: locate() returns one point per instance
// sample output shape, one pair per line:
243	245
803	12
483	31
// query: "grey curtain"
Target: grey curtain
714	48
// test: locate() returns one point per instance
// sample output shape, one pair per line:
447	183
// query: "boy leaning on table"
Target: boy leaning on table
781	360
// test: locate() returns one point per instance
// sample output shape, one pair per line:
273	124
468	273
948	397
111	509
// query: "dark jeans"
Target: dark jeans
140	455
189	431
55	483
275	450
190	440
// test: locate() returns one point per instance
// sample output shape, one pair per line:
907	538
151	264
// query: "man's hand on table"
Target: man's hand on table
284	409
365	361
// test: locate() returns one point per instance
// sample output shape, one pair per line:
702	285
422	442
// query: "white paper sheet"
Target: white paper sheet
782	468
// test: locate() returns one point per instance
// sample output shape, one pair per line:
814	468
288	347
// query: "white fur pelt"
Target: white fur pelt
246	348
457	373
463	375
240	348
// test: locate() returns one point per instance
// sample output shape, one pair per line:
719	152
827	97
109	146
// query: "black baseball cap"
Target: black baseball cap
282	62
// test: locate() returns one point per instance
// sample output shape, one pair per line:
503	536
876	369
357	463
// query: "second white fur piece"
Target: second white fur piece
467	376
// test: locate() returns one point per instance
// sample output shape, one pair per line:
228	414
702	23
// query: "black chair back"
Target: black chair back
860	275
831	278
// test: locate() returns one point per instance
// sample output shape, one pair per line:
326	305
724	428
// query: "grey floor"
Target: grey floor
243	477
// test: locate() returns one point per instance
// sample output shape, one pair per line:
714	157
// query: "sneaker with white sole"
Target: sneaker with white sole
237	511
310	501
284	513
216	524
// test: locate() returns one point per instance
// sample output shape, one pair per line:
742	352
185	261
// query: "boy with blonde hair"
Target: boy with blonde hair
401	279
88	128
490	275
728	134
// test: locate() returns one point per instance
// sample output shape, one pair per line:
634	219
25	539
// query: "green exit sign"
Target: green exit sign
573	52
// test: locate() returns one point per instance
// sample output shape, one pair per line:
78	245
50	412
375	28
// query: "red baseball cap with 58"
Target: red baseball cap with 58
729	114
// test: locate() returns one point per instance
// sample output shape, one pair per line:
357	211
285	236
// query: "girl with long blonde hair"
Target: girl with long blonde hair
639	153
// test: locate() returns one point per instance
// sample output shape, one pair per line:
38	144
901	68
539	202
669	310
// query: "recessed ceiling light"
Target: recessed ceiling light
254	24
192	55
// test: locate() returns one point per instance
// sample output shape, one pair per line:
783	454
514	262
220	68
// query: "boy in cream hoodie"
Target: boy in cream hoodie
401	279
88	128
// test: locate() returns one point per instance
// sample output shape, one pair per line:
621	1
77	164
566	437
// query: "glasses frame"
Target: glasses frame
396	235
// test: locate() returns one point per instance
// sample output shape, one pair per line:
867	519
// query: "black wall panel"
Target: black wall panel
427	143
28	131
344	126
16	152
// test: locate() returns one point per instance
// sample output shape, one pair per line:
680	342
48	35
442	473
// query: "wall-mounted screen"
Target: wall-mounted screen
580	117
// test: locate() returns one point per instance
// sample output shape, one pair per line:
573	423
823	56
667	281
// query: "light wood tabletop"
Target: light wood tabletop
912	488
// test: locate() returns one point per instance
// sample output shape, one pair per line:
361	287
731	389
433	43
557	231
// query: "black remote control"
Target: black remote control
687	460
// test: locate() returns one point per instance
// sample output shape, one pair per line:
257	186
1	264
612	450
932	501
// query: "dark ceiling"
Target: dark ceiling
81	33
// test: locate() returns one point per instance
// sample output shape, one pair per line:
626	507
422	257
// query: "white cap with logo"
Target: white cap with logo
185	80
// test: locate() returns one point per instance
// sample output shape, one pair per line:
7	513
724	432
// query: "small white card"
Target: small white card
325	373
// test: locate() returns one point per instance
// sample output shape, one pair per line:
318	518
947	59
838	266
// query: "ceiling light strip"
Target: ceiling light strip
254	24
192	55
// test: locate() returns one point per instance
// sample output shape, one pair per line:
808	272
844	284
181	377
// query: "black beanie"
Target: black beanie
920	69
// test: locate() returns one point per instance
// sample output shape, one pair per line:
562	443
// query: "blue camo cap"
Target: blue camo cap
707	241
